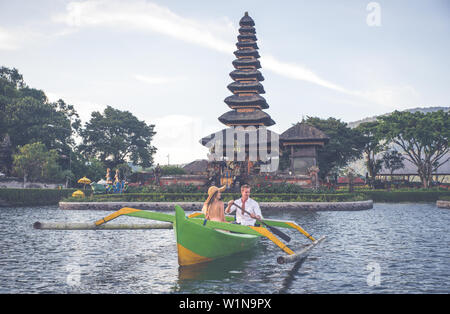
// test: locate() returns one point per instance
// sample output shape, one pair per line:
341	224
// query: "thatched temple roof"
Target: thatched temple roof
303	132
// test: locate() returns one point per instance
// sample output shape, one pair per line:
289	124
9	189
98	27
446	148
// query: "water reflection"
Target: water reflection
221	269
291	275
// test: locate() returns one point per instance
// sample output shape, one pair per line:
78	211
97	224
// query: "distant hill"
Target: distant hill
424	109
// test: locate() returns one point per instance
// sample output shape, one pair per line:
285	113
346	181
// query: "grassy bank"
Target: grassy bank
200	197
36	197
406	196
33	197
380	196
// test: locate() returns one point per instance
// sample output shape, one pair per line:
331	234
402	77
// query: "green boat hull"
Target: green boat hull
198	243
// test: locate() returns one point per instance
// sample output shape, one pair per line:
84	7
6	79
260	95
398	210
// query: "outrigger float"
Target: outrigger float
200	240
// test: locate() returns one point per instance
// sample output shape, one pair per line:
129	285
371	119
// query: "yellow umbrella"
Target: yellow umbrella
84	181
78	193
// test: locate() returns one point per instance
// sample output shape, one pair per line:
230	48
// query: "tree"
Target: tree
10	81
34	162
345	145
91	168
172	170
27	116
116	136
373	145
393	160
422	136
5	155
124	170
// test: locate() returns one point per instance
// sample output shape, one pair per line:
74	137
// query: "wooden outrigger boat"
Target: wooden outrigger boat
200	240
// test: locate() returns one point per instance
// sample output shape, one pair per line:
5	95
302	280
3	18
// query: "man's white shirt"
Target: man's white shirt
251	206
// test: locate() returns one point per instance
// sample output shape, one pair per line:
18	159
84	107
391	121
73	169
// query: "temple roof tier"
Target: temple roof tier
246	62
247	37
235	101
243	75
303	133
250	87
246	53
246	20
247	44
247	30
222	136
255	117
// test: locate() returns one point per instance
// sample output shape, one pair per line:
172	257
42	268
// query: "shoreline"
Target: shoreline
196	206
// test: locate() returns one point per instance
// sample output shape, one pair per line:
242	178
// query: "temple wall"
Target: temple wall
196	180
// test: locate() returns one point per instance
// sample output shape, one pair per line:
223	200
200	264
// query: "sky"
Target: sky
168	62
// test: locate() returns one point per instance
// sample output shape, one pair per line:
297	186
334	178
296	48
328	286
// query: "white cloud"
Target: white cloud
7	41
13	39
156	80
84	107
178	136
145	16
297	72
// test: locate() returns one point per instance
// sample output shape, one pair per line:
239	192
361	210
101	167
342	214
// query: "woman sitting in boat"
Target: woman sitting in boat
213	208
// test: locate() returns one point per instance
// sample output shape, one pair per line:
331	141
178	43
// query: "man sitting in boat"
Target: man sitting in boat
213	208
249	211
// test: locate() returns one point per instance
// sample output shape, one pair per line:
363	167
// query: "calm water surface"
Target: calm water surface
407	243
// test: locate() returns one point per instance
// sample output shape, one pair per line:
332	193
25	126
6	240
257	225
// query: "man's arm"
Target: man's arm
229	206
256	212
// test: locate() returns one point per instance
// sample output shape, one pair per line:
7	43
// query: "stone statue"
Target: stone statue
108	176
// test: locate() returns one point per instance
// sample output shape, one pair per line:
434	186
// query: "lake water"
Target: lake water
392	248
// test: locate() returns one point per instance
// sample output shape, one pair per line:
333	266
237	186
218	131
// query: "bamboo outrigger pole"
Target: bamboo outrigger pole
93	226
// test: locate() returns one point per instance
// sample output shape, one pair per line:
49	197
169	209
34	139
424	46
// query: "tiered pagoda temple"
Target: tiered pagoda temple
247	105
246	148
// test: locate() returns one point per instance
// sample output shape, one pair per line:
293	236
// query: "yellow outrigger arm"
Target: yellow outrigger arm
270	222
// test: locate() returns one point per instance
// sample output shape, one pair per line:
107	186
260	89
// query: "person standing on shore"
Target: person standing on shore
246	203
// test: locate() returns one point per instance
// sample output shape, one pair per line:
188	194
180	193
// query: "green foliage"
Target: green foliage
114	135
93	168
286	188
124	170
34	197
345	145
393	160
27	116
201	197
33	162
172	170
413	196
